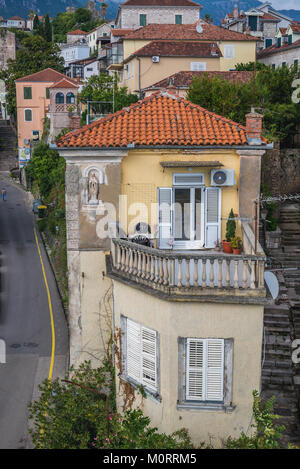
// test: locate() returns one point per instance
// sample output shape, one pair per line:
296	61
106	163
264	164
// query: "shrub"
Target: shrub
230	227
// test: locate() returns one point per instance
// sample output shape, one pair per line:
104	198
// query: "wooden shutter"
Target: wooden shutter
212	216
214	369
27	92
195	369
205	370
165	217
133	350
149	354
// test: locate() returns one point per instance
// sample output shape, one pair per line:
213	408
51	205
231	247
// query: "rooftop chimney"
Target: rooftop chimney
75	122
254	127
235	12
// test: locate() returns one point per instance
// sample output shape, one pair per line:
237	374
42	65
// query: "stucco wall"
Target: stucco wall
243	323
151	73
142	174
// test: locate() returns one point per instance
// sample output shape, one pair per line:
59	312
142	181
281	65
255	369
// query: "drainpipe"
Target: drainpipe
140	92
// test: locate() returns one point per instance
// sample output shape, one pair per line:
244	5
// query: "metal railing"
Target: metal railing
196	273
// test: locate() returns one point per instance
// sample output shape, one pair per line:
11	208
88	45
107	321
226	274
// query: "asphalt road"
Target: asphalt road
24	317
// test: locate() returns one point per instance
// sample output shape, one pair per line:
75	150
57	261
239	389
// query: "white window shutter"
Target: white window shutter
165	217
149	354
214	369
195	369
134	350
213	216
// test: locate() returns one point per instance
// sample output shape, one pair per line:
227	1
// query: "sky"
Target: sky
286	4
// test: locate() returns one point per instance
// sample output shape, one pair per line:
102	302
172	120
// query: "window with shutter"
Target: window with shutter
205	370
165	216
141	354
229	52
213	216
198	66
27	92
28	115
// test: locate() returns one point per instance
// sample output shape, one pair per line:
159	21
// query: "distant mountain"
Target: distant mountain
22	7
216	8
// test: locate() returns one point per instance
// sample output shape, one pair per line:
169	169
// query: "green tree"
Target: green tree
266	434
47	29
104	89
250	67
73	414
35	54
208	18
82	15
269	90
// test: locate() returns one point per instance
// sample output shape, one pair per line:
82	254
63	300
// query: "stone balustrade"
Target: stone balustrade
189	272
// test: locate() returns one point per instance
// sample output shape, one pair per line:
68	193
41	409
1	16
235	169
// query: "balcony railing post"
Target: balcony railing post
162	269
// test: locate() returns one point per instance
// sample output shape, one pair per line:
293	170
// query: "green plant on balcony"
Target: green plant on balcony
236	244
230	232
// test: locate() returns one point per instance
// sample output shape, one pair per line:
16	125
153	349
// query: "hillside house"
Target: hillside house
144	214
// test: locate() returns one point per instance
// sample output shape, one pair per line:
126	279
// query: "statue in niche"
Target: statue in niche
93	188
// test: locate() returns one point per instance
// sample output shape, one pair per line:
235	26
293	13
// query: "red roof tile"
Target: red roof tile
268	17
161	119
187	32
184	79
176	49
77	32
121	32
64	83
47	75
168	3
274	49
295	28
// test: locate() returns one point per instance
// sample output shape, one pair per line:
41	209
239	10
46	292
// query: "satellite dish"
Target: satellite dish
272	283
199	28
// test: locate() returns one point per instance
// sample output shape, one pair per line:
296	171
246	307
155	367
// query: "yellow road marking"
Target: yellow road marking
50	308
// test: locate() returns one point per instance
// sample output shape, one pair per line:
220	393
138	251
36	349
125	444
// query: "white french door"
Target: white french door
188	217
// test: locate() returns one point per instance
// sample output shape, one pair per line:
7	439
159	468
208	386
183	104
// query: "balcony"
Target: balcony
190	274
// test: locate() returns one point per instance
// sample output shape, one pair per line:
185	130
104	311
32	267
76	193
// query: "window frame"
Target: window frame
186	404
151	391
176	17
27	88
197	69
229	47
28	109
144	16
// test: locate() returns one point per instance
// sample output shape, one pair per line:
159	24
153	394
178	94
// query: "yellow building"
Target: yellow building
139	66
148	194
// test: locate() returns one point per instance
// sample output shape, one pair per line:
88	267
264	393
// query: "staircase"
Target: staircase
282	326
8	145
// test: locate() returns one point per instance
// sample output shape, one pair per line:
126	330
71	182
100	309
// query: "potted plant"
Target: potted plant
230	233
236	244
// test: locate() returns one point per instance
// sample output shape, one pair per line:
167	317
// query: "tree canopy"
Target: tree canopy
270	91
69	21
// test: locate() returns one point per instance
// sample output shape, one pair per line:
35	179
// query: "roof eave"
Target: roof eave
267	146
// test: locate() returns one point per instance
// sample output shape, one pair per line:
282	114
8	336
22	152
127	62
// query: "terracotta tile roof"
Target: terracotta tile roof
64	83
77	32
161	119
177	48
274	49
168	3
295	28
15	18
121	32
185	78
187	32
48	75
268	17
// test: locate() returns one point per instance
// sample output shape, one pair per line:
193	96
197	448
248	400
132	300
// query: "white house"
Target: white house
16	22
73	52
99	34
286	49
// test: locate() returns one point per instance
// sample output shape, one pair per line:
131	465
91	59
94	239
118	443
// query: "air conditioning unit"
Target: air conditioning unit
222	177
155	59
35	135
